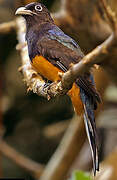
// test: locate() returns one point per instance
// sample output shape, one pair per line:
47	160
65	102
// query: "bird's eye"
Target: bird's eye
38	8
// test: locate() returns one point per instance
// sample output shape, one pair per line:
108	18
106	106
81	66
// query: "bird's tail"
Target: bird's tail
89	120
92	137
83	105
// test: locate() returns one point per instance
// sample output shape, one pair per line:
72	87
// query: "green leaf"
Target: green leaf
79	175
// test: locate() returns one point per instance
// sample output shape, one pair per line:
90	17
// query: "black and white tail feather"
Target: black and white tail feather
89	121
92	137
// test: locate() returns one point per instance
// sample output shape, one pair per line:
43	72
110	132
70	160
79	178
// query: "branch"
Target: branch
7	27
28	164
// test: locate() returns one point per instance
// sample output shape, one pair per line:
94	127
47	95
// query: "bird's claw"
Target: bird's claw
51	89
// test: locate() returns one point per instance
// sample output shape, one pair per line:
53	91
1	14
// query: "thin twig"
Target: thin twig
7	27
111	17
34	168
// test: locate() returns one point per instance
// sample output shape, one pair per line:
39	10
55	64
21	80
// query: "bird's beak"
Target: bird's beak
23	11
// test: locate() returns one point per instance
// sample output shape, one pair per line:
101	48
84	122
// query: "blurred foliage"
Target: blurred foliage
80	175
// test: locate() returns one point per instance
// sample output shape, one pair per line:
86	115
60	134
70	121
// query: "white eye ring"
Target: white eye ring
38	8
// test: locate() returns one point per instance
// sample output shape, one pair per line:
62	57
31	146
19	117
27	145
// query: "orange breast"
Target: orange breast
49	71
45	68
74	94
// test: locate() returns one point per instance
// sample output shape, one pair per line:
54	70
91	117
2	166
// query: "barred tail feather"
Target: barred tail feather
92	136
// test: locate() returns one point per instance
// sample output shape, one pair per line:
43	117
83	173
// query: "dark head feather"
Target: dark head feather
35	14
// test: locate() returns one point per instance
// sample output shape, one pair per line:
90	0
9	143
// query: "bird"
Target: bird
51	52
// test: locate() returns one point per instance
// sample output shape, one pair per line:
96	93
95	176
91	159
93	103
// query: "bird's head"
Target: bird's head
34	13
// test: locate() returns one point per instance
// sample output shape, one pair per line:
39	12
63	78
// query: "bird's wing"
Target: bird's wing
57	34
